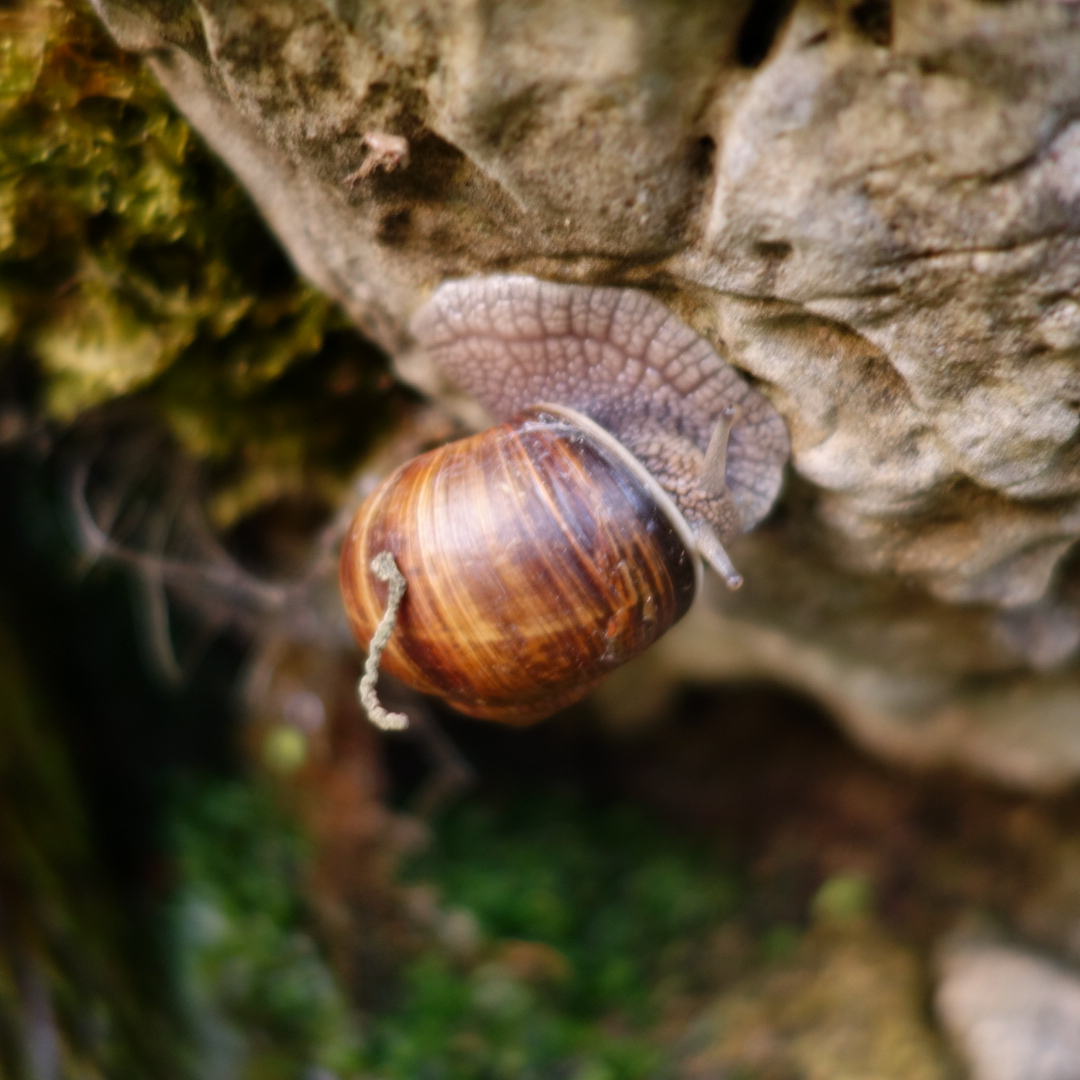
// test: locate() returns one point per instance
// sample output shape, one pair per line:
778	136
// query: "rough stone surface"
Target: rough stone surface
1012	1015
875	212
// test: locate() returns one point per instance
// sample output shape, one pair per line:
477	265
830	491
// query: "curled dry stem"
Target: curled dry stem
386	570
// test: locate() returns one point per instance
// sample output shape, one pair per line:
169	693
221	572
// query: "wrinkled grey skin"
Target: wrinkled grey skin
875	215
621	358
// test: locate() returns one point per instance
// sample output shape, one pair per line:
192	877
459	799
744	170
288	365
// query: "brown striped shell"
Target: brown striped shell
539	556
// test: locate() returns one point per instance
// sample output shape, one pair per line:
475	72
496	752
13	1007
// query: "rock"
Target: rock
1012	1014
874	211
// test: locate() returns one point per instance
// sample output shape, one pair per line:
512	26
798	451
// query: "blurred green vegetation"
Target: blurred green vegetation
622	903
586	923
261	1000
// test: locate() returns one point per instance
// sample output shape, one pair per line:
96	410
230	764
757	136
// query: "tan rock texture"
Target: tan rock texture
1013	1015
873	210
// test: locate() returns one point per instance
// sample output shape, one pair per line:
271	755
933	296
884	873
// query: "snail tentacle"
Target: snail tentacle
712	551
714	467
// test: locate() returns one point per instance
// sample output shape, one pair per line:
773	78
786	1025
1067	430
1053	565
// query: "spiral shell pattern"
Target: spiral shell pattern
536	563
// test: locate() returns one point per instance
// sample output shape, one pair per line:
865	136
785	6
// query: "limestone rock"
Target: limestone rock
873	211
1013	1015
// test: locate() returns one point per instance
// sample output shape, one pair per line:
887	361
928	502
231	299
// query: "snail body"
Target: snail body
550	549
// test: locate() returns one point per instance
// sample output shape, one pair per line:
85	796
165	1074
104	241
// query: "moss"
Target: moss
95	173
585	924
590	922
131	261
262	999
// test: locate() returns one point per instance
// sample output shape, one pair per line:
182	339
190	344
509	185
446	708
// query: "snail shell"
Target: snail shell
550	549
591	564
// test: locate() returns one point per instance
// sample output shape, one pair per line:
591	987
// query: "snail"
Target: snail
532	559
